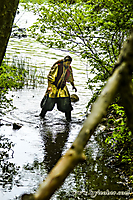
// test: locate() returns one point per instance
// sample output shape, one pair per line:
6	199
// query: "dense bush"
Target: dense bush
120	139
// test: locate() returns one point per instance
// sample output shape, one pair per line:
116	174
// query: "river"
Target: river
39	143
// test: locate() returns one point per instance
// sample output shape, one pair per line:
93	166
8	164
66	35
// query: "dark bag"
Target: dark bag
43	101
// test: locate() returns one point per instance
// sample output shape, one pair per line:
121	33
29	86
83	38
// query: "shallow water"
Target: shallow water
41	142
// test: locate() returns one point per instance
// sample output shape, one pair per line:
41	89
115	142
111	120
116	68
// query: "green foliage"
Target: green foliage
95	34
33	1
10	78
119	137
50	1
16	76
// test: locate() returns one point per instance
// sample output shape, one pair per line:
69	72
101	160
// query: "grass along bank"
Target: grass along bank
16	76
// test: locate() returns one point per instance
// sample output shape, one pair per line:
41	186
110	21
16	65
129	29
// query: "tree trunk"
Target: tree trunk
7	14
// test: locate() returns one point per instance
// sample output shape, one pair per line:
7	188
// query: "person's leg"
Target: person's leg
68	116
64	105
48	106
43	113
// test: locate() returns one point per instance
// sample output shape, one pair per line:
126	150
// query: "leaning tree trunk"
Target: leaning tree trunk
7	14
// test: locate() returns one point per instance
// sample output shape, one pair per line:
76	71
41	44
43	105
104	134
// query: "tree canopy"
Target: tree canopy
93	29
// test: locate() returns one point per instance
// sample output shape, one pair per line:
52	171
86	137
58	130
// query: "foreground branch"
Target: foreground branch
126	89
75	154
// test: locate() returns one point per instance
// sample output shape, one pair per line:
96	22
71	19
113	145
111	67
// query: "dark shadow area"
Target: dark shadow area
54	134
8	170
94	179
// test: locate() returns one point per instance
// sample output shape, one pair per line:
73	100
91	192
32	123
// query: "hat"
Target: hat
67	58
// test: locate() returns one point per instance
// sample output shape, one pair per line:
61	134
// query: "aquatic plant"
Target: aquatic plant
16	76
10	79
33	76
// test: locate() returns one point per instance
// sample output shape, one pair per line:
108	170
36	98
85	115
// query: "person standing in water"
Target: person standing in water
57	91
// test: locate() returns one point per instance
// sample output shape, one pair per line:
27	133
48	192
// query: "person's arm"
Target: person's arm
49	87
73	86
71	79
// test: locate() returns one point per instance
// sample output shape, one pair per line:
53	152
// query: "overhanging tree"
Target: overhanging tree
7	81
95	31
7	13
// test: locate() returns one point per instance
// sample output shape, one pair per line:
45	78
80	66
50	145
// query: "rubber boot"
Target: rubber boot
68	116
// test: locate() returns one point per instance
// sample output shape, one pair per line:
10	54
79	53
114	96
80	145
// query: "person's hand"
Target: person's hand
74	88
49	89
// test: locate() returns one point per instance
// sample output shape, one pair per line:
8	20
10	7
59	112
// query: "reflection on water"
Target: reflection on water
54	135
